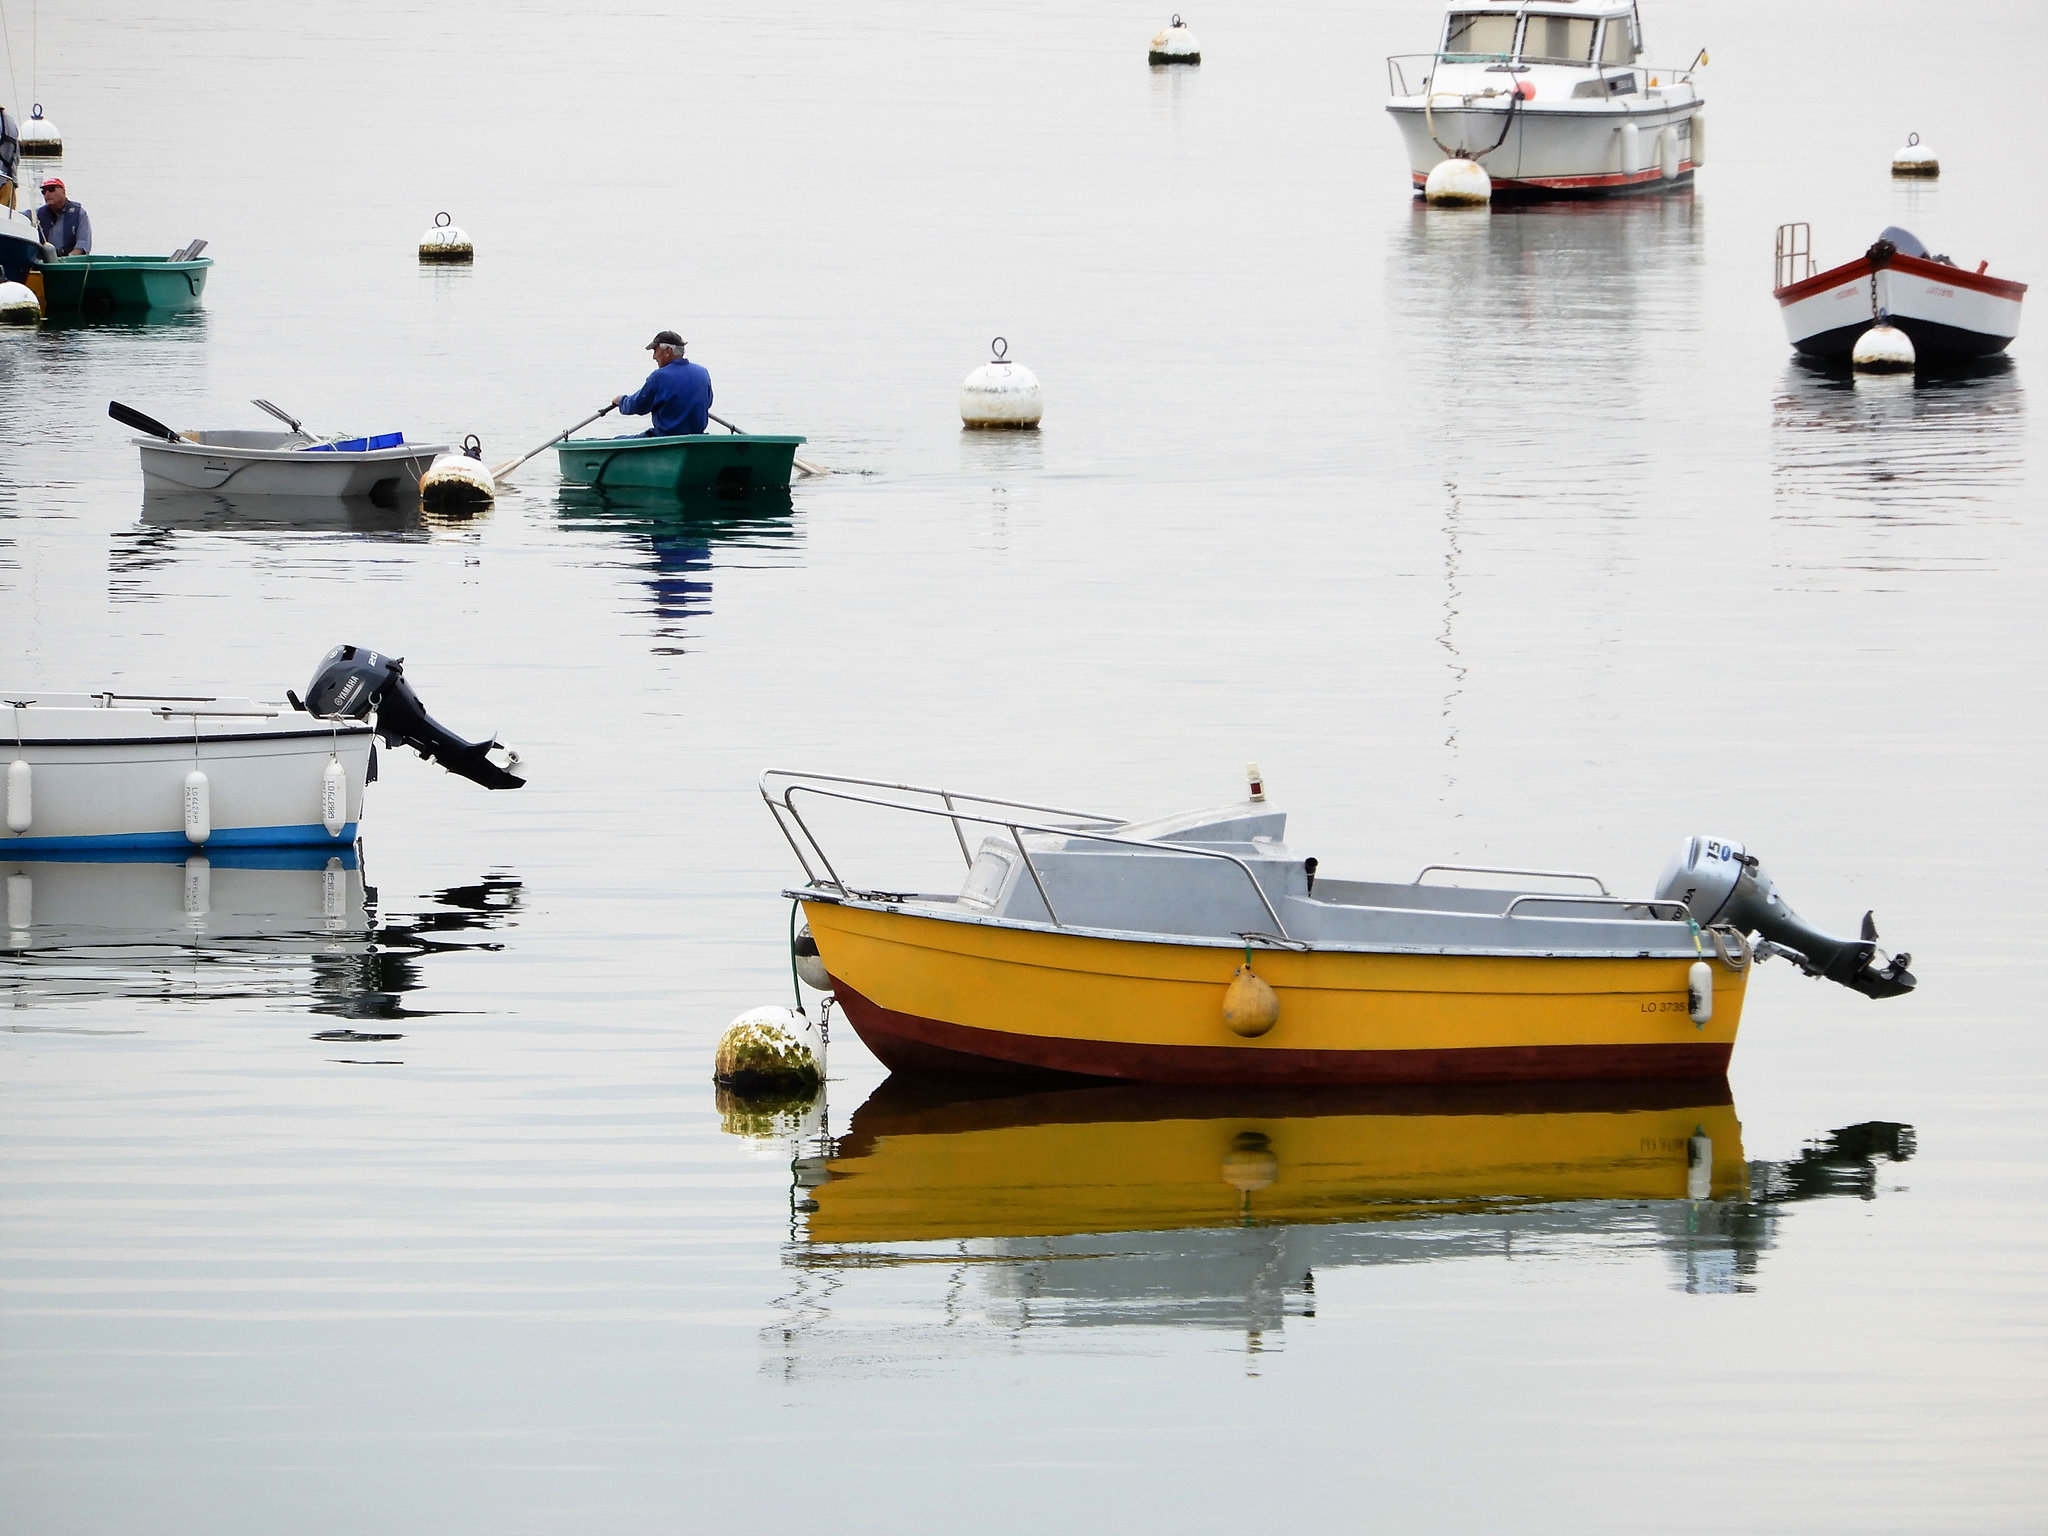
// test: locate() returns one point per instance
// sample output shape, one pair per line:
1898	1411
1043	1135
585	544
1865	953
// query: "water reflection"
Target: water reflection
676	540
1887	459
298	925
1119	1205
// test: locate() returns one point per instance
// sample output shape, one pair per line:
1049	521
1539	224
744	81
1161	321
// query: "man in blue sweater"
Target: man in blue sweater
678	392
63	222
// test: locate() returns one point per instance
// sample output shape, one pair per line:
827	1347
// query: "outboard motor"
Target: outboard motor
1721	883
353	680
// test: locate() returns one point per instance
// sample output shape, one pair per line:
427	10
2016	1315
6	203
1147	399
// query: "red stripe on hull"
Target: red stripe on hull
1910	266
1611	181
907	1043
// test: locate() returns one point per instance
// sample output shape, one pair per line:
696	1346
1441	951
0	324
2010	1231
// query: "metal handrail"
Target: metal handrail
1494	869
165	712
1651	904
784	804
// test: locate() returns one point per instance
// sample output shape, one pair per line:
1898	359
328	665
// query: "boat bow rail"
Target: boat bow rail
1093	873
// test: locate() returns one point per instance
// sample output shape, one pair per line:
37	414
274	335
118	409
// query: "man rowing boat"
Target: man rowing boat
677	393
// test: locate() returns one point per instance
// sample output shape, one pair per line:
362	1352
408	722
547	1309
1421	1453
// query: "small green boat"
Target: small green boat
703	460
107	285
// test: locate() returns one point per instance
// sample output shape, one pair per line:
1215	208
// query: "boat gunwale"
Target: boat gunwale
1271	943
302	455
1860	267
628	444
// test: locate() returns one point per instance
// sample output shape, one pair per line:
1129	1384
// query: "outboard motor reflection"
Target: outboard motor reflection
353	680
1720	882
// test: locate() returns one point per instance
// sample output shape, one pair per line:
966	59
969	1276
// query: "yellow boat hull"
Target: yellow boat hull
1151	1159
938	995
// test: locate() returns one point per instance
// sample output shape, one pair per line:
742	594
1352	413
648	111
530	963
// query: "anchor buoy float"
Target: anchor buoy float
1915	159
1884	348
1001	393
457	481
445	243
1174	44
1458	183
39	136
19	304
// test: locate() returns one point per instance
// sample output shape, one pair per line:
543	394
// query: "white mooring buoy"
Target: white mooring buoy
446	243
770	1050
1458	184
1915	159
19	304
39	136
1174	44
457	481
1001	393
1884	348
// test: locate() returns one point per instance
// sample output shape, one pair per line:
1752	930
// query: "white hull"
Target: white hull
1555	151
283	471
114	776
180	900
1947	311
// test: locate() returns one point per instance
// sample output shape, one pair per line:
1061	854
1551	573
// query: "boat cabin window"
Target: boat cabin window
1558	40
1618	46
1470	35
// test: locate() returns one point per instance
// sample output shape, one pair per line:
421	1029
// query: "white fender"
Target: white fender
334	797
198	807
1667	153
20	785
198	886
1699	983
1628	148
1699	1166
1699	140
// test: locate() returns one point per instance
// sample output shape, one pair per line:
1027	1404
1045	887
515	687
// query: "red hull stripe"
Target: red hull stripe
1574	183
907	1043
1912	266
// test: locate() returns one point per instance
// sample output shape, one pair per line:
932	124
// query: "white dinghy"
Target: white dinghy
93	772
1551	99
293	463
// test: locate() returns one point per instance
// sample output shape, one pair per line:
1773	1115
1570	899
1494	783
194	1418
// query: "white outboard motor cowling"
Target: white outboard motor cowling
1720	882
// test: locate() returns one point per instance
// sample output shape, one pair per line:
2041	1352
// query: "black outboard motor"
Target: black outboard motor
353	680
1720	883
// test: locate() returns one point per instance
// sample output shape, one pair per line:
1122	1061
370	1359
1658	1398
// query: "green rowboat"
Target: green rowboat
704	460
106	285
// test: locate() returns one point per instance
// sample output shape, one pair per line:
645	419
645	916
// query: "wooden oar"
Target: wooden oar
505	469
128	416
803	464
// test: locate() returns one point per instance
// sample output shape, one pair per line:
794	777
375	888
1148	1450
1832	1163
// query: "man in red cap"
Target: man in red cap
63	222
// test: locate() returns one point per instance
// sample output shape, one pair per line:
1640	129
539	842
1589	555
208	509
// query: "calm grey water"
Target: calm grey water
1509	537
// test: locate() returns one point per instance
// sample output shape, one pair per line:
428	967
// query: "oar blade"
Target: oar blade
128	416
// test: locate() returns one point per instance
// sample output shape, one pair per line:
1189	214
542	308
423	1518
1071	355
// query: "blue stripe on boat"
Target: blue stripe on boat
311	832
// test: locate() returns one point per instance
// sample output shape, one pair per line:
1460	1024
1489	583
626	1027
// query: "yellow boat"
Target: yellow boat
1199	949
1140	1158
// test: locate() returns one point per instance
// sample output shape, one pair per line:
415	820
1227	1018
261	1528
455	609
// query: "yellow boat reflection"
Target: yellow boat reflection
918	1166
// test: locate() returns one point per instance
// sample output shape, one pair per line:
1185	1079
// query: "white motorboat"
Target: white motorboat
1552	98
286	464
93	772
1949	312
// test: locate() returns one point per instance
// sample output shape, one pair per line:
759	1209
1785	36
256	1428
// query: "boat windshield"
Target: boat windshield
1473	35
1558	40
1617	46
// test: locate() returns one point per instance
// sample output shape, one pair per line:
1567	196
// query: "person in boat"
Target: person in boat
10	156
63	222
677	394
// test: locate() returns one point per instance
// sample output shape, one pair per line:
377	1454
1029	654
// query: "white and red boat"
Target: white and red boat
1553	98
1949	312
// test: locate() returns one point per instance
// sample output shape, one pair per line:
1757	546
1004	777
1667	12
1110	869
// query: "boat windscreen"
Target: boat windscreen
1904	241
1472	35
1618	45
1558	40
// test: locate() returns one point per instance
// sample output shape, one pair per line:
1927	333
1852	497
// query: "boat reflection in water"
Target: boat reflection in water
678	538
1146	1205
274	923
